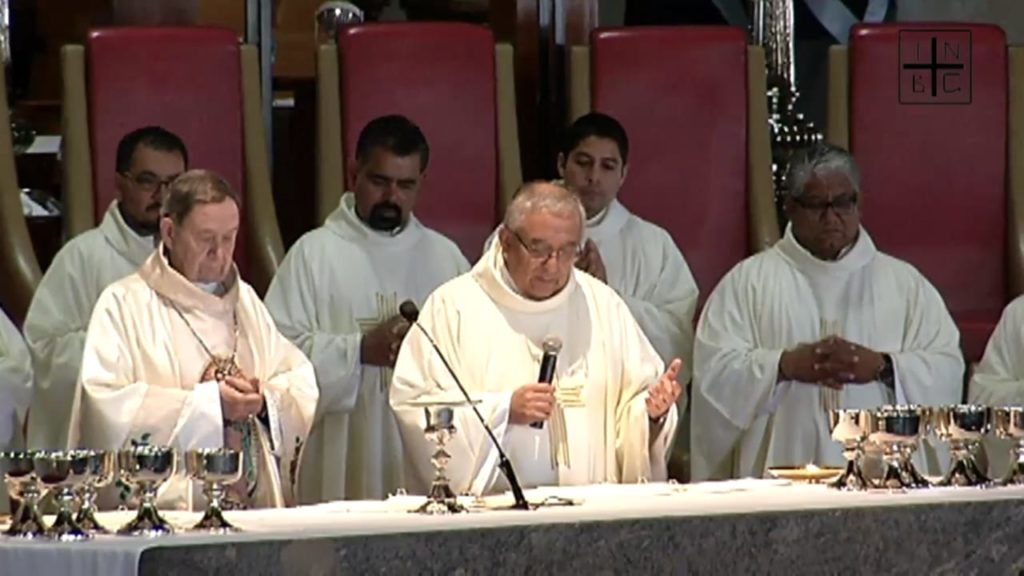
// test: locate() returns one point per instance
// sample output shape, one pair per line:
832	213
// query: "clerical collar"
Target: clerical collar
493	277
210	287
385	233
170	284
506	278
856	256
846	250
143	230
346	223
598	218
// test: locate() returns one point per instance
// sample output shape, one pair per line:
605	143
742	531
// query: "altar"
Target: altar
734	527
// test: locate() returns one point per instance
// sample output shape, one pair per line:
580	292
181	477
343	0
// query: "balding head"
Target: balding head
541	238
534	197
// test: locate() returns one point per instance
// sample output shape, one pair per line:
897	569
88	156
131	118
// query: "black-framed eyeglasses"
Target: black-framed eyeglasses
841	205
543	252
147	181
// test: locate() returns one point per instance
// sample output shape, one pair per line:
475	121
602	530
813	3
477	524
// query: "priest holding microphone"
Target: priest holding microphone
609	413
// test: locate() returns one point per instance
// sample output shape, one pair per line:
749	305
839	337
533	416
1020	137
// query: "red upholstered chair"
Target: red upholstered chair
942	184
197	82
456	84
692	100
19	268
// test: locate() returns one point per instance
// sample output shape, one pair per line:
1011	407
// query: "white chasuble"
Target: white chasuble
745	420
998	381
149	343
491	336
336	284
15	391
59	315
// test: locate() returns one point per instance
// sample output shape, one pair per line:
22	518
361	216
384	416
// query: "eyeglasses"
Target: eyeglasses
147	181
543	252
842	205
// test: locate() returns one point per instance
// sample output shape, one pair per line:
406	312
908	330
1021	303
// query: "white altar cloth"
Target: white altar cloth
115	555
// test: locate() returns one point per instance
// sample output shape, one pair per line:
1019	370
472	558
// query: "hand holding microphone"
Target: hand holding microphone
541	396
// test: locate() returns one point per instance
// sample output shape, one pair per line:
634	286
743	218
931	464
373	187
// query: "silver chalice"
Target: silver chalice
849	427
897	430
63	471
100	473
18	469
215	468
146	467
1008	422
439	429
963	427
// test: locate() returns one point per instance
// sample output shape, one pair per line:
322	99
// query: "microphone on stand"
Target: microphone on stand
552	346
411	314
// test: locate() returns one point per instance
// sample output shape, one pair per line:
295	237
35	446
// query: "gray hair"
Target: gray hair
541	196
193	188
817	160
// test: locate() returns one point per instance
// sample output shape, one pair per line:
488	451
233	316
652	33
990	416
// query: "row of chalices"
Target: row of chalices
897	430
75	476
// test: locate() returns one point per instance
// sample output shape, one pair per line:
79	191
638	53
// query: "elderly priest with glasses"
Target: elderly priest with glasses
609	412
182	353
822	320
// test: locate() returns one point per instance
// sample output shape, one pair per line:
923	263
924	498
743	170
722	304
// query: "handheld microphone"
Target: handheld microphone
411	314
552	346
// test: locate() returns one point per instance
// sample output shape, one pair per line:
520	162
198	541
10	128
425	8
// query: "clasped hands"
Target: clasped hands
240	396
832	362
379	346
534	402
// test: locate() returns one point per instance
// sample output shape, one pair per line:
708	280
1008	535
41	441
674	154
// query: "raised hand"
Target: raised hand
661	395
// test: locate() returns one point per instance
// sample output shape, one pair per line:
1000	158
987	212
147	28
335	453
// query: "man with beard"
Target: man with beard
823	320
336	295
148	159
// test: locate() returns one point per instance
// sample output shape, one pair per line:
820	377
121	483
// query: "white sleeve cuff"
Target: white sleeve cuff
201	424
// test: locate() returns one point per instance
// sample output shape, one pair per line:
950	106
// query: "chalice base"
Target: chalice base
65	529
894	479
148	522
912	477
26	523
441	500
852	479
86	519
213	522
965	473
